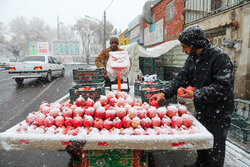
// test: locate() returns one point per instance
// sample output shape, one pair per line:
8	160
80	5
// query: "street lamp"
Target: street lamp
58	28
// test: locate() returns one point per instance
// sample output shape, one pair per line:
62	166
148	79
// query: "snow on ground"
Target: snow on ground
235	156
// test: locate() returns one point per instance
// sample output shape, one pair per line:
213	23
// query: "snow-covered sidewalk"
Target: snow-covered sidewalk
236	156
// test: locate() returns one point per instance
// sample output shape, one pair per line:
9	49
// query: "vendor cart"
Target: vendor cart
12	140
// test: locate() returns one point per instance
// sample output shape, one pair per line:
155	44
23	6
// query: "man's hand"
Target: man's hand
188	94
157	97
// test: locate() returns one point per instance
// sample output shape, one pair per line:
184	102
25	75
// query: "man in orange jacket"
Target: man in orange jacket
102	59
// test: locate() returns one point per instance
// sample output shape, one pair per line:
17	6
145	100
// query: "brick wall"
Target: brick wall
173	28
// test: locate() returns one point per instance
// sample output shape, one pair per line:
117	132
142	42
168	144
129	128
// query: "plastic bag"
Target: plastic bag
150	77
118	62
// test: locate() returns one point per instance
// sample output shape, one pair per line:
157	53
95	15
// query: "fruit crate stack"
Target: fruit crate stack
86	76
240	122
112	157
90	84
139	85
152	66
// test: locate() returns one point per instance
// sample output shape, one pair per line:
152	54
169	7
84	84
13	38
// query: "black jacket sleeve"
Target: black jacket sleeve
222	82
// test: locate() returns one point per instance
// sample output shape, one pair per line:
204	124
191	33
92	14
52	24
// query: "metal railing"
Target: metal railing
197	9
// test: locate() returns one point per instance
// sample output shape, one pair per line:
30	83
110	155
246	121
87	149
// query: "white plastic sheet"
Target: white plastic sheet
118	62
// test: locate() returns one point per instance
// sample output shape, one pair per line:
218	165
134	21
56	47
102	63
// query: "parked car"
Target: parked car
44	67
6	62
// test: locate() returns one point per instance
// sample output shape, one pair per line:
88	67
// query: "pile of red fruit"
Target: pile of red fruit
149	89
149	82
85	88
180	91
115	113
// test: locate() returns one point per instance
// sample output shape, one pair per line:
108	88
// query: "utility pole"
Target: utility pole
104	29
58	24
58	28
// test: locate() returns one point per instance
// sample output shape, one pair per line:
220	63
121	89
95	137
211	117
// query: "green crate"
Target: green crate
85	76
148	70
240	121
151	61
242	108
160	76
159	70
140	84
157	85
151	65
114	158
159	61
242	134
93	94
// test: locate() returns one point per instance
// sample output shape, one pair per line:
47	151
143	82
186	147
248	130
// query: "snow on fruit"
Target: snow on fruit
114	114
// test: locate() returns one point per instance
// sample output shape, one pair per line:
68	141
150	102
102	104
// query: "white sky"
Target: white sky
120	13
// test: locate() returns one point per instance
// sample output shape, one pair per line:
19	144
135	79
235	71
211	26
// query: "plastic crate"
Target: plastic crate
158	62
160	76
112	158
159	70
148	70
84	76
242	108
242	134
240	121
93	94
138	85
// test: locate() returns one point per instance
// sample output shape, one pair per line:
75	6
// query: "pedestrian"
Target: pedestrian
102	59
208	69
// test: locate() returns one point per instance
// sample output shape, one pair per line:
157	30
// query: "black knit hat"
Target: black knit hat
194	37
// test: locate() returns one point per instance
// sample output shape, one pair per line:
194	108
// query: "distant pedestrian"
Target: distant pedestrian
102	59
209	70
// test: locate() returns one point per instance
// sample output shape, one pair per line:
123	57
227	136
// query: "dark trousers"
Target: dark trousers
107	82
214	157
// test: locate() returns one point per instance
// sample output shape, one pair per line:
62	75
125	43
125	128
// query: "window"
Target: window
33	58
51	60
170	11
55	60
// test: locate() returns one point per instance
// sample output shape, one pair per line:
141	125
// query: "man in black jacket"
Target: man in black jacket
209	70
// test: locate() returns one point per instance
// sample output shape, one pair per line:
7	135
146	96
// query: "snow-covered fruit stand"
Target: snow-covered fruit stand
115	121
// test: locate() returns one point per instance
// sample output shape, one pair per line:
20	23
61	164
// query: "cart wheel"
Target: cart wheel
19	81
63	72
48	77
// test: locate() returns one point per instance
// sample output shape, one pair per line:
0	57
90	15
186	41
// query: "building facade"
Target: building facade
225	22
124	38
227	25
166	22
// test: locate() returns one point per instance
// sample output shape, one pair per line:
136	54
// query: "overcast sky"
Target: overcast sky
120	12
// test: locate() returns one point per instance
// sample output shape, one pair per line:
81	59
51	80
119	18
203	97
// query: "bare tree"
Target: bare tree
2	38
85	29
15	51
92	36
23	31
99	31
